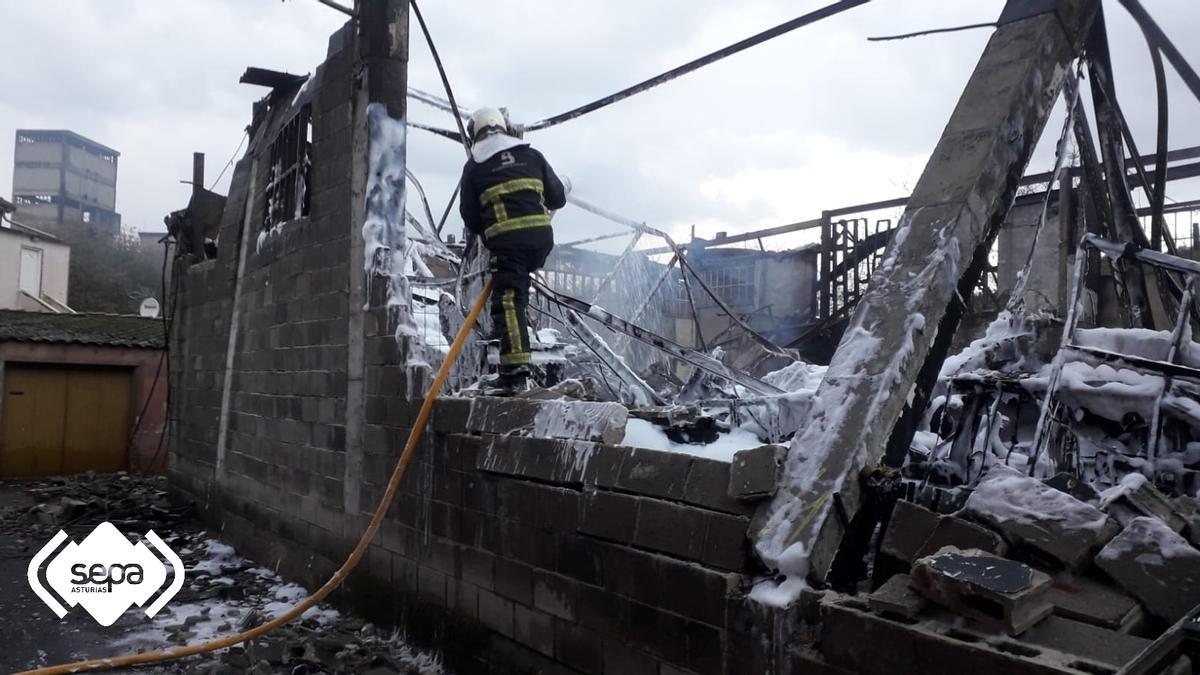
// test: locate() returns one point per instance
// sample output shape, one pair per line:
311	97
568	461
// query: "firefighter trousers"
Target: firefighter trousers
511	270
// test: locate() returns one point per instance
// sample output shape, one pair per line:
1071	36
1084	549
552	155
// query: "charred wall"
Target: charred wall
291	401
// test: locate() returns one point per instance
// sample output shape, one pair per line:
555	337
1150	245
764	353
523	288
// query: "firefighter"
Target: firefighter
508	192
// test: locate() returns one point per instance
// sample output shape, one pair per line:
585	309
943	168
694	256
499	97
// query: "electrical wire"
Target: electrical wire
934	31
754	40
230	162
437	60
1159	39
696	64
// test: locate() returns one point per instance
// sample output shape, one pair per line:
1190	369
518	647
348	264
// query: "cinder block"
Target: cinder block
496	613
1085	641
909	528
897	598
693	591
555	595
534	629
571	420
753	473
1082	599
1051	524
578	647
1006	594
708	486
631	573
671	528
609	515
514	581
1156	565
621	659
655	474
1136	496
579	558
961	534
725	542
431	585
478	567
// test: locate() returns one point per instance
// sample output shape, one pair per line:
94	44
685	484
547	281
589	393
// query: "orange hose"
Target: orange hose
339	576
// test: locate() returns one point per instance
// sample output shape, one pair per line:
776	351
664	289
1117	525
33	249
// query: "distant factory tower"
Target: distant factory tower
65	182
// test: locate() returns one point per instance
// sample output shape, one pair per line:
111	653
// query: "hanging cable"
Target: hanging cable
934	31
232	159
437	60
754	40
1159	39
781	29
1158	198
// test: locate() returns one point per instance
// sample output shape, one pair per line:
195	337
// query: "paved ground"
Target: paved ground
27	621
222	594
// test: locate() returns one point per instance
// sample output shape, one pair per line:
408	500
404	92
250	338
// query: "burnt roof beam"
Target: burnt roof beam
902	328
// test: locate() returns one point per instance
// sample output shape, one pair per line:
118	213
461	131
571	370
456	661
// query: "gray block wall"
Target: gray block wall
513	554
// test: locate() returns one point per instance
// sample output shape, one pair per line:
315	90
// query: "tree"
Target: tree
111	275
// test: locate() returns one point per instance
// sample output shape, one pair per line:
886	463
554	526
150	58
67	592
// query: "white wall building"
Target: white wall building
34	269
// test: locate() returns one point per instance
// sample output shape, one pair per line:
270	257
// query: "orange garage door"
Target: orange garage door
64	420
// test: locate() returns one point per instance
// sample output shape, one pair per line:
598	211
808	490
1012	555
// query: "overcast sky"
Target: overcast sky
814	120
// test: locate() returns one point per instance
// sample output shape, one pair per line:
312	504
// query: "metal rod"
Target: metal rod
781	29
344	10
1157	224
1181	323
437	60
1160	40
690	356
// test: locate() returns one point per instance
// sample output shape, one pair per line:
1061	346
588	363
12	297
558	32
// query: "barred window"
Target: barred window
287	190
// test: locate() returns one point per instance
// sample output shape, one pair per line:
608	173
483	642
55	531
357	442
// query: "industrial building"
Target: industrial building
65	182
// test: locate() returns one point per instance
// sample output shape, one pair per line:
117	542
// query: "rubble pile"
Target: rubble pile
79	503
1028	578
223	593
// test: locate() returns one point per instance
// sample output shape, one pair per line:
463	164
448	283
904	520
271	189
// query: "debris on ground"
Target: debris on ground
223	594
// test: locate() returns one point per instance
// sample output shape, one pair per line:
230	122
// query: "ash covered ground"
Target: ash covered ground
223	593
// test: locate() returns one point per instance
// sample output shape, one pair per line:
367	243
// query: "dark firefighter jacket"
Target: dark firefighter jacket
508	191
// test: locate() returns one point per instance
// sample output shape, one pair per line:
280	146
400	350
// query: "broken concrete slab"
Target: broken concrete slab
910	527
571	420
854	638
1085	640
1052	526
1136	496
1156	565
1083	599
998	592
915	532
753	473
947	229
959	533
897	598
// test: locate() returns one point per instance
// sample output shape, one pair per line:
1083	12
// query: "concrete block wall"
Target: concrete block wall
511	553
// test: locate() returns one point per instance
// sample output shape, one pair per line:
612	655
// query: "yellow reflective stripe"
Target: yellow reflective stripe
524	222
510	319
509	186
521	359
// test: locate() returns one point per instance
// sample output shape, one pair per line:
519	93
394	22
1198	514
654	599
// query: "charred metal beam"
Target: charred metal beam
902	326
1108	126
274	79
673	349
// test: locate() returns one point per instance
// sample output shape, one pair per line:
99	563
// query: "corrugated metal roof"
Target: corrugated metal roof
113	330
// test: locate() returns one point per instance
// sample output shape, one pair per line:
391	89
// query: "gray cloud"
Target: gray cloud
813	120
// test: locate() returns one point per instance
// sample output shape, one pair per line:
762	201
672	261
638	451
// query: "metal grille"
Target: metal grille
287	193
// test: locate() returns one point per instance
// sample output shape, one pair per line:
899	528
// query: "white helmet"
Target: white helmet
484	120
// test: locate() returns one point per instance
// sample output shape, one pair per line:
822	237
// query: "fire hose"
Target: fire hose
414	437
